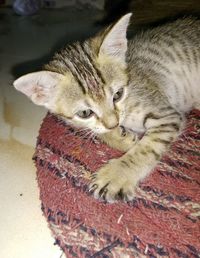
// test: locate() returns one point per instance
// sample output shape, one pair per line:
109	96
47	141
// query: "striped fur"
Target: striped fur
159	72
80	61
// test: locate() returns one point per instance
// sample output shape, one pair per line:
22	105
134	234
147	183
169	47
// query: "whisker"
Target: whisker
85	134
80	131
91	139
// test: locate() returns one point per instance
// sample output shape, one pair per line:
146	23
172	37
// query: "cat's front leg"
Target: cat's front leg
119	139
119	178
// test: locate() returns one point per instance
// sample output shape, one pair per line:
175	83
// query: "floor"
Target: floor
25	44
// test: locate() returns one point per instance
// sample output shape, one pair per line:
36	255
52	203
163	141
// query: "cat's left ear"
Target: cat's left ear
115	42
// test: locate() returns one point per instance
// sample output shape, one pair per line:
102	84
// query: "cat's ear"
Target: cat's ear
115	42
39	86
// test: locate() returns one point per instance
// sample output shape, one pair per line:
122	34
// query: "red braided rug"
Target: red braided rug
163	220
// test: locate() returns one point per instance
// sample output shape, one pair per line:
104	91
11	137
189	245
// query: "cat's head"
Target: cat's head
86	83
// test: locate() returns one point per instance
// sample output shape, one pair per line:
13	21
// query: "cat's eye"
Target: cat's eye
118	95
85	113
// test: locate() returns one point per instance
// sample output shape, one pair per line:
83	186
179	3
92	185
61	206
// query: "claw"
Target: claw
93	187
120	195
93	177
123	131
135	137
104	194
103	190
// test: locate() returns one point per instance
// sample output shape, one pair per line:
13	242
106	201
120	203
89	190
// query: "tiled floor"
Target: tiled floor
25	44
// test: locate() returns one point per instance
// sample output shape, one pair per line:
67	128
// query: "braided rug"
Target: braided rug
162	221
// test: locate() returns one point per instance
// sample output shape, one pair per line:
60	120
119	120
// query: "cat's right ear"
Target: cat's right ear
114	43
39	87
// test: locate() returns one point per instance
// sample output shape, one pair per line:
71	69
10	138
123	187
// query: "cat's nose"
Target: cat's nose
114	126
110	120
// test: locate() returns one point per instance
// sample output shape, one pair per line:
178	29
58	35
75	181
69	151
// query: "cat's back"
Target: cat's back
171	54
183	32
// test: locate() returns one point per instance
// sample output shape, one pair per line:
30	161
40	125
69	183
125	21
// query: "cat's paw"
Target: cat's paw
113	182
126	139
120	139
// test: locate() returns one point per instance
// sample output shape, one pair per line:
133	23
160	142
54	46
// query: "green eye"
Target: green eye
118	95
85	113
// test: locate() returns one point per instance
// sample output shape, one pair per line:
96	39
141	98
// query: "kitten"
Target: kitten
107	83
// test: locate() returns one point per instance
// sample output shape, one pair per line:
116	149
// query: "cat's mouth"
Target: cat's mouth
140	135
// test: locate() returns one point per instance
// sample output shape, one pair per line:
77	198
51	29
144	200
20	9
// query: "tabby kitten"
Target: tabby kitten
107	83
